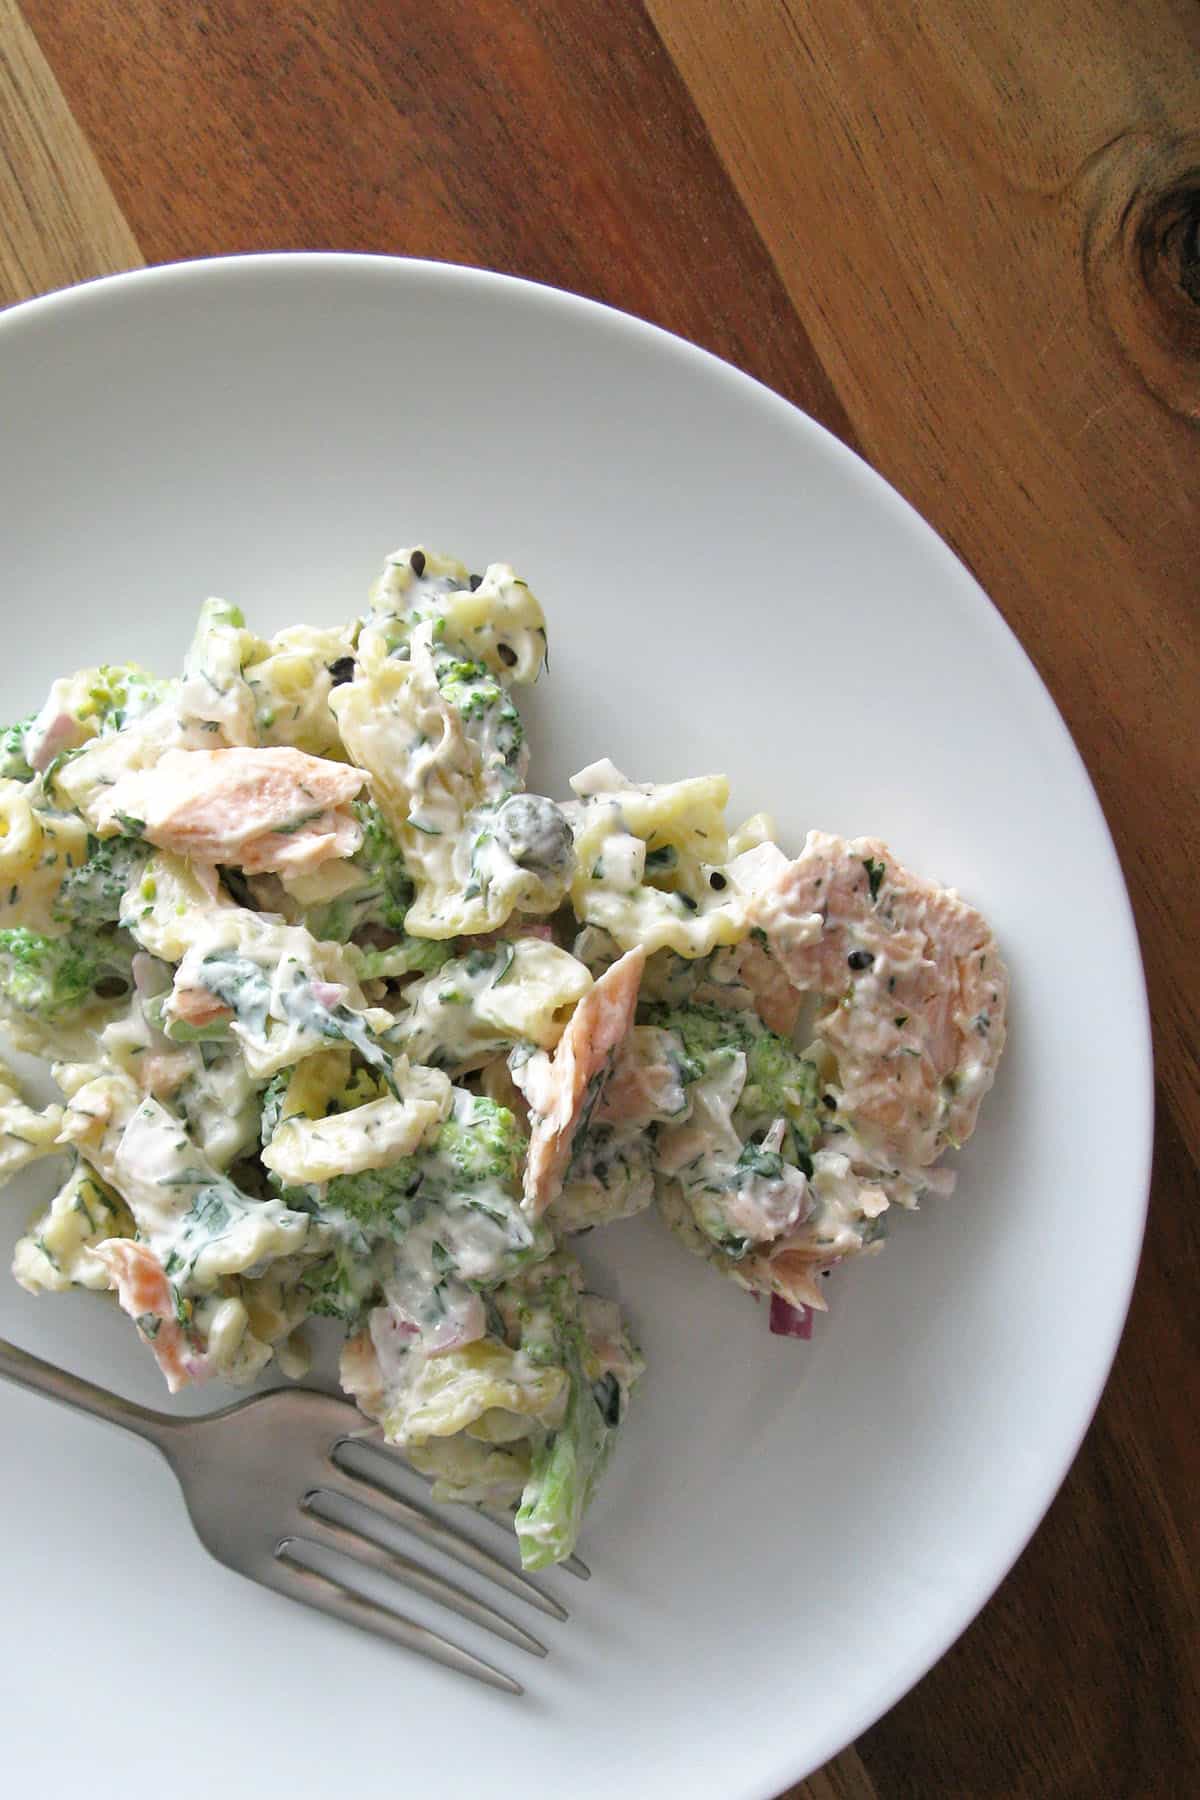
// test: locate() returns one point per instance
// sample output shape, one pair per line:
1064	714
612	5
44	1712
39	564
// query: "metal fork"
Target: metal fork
239	1470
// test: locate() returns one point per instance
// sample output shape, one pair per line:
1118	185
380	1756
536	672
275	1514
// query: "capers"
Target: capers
535	833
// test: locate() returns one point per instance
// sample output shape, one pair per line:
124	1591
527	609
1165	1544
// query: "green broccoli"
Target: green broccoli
566	1469
486	1144
566	1464
13	766
386	891
53	977
121	692
410	956
780	1083
342	1285
488	715
447	1216
215	613
380	854
480	1146
377	1199
91	894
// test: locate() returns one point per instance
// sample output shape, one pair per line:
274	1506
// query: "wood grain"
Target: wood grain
550	141
58	221
979	224
965	237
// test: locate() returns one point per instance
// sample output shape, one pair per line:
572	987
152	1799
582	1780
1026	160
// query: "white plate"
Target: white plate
790	1534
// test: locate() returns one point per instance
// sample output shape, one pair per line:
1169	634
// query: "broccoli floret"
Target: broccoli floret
486	1144
420	956
380	854
91	894
378	1198
480	1145
386	892
780	1083
341	1285
53	977
487	713
13	766
121	692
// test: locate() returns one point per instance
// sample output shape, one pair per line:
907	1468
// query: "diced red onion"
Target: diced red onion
328	993
788	1320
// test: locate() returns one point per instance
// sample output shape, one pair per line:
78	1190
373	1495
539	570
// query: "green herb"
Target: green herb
298	824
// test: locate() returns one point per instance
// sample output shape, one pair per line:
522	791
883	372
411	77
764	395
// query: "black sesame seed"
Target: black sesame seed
416	562
717	880
476	581
342	670
861	959
507	655
829	1101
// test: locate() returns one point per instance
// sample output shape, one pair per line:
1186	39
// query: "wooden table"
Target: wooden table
966	236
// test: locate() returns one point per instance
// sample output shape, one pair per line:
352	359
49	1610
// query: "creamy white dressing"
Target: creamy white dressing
369	781
736	1202
287	992
195	1220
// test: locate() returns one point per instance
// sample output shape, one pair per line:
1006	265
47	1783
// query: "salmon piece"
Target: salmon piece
144	1292
276	810
360	1375
915	993
789	1270
163	1071
63	732
645	1084
196	1006
563	1089
776	1001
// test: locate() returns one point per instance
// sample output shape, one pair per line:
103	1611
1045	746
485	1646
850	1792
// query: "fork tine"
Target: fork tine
442	1536
372	1439
364	1545
328	1596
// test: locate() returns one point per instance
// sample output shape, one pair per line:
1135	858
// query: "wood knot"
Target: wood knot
1142	260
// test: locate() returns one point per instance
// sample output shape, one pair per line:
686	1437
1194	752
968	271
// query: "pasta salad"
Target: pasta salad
347	1024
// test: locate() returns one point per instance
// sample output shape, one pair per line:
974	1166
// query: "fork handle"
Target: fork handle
27	1371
